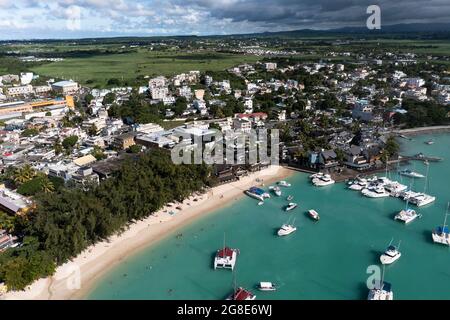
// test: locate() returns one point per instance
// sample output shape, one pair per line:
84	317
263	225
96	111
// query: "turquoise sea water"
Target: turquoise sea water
322	260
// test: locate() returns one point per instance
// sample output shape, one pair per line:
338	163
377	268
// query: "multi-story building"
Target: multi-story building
65	87
19	90
159	93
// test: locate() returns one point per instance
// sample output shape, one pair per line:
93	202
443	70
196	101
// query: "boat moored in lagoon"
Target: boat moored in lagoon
382	291
284	184
241	294
411	174
313	215
407	216
291	206
375	192
257	193
323	181
267	286
391	254
226	258
442	234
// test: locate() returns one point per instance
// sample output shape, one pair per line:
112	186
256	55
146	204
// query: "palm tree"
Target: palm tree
6	222
47	186
24	174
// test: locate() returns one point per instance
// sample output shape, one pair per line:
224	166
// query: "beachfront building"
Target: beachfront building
13	203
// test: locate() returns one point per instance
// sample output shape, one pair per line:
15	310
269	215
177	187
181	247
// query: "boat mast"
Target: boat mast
445	219
426	179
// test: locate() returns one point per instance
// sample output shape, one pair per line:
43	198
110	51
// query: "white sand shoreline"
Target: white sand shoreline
88	267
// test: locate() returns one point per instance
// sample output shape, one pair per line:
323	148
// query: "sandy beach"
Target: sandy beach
423	130
75	279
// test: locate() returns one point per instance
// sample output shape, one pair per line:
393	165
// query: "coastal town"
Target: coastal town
337	121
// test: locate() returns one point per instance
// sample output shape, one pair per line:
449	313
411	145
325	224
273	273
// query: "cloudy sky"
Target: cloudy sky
30	19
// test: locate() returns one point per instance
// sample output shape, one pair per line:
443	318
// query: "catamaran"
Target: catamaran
284	184
381	291
313	214
411	174
291	206
226	257
391	254
241	294
257	193
267	286
323	181
442	234
407	216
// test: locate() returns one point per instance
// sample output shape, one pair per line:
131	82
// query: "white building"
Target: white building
42	89
149	128
157	82
270	66
159	93
19	90
65	87
185	91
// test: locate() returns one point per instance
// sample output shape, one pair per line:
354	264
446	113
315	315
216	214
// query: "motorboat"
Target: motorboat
286	229
276	190
291	206
375	192
411	174
391	254
266	286
323	181
284	184
314	215
358	184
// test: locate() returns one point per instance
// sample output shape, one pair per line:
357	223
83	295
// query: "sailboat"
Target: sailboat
407	215
226	257
422	199
239	293
441	233
382	290
391	254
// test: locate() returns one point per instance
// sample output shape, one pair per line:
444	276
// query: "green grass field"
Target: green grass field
128	66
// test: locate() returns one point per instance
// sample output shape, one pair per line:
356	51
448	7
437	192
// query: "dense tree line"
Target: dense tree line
425	113
67	221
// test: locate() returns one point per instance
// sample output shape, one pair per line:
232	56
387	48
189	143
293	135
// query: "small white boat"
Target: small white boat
286	229
313	214
291	206
316	175
284	184
391	254
429	142
276	190
411	174
323	181
290	198
358	184
266	286
260	203
376	192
